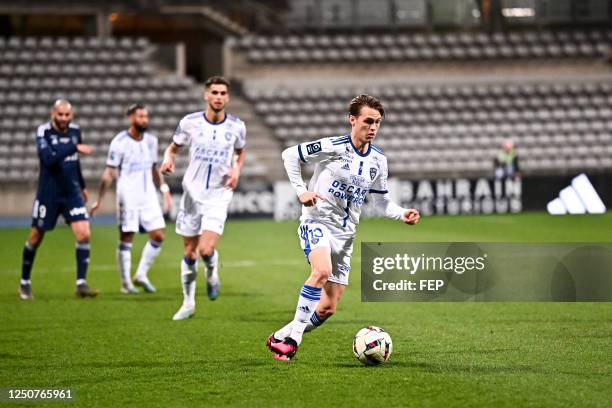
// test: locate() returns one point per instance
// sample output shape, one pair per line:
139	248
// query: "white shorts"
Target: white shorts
149	218
313	235
193	218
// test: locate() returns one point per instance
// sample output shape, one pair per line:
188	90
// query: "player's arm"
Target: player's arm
84	191
169	163
382	200
105	181
179	139
158	179
303	153
234	172
51	154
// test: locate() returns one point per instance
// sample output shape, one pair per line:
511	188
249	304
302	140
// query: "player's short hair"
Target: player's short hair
365	100
61	102
217	80
133	108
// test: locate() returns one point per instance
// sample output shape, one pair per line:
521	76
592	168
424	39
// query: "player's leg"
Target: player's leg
308	301
124	261
210	256
27	261
189	272
330	296
332	292
150	252
127	220
81	231
44	217
213	223
188	224
336	284
152	221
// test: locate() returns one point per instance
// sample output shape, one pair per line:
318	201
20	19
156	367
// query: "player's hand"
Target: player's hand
411	216
85	195
310	198
84	149
167	197
232	178
167	167
94	208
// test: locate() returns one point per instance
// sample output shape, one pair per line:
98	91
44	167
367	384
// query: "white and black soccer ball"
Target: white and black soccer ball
372	345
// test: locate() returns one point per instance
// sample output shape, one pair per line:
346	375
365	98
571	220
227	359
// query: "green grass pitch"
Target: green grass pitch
119	351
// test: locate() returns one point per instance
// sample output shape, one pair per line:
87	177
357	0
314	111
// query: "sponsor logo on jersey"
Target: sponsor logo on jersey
313	148
358	180
373	172
346	167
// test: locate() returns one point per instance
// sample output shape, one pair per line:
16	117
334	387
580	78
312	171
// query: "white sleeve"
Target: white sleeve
115	155
181	137
382	199
241	139
305	152
291	159
154	153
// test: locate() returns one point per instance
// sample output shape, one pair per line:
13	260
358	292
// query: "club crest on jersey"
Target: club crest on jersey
373	172
313	148
228	136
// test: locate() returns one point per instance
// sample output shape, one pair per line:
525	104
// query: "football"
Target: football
372	345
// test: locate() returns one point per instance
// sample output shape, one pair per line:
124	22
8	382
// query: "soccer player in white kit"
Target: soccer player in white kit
133	153
347	169
216	143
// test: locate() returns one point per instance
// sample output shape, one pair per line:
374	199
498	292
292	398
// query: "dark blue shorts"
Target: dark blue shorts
45	211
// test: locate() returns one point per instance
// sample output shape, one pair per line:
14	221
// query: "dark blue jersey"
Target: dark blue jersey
60	172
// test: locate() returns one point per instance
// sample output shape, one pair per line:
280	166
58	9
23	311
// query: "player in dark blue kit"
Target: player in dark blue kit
61	190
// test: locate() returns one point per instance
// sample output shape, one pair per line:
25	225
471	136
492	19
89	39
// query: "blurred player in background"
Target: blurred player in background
216	143
61	190
133	152
347	169
506	161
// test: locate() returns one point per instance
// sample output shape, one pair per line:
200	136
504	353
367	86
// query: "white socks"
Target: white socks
212	273
189	271
124	260
285	331
307	304
150	251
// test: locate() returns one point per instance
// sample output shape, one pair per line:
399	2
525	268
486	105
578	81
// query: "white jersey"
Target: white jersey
344	176
211	149
134	160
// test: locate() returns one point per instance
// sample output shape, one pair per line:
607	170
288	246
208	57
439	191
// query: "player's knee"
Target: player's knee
207	250
83	236
34	241
157	236
320	275
191	253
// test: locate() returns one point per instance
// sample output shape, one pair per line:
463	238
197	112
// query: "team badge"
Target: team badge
228	136
313	148
373	172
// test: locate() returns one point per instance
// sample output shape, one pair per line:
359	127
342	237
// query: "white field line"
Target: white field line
243	263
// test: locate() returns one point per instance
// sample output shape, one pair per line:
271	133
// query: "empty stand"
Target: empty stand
101	77
453	46
456	130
